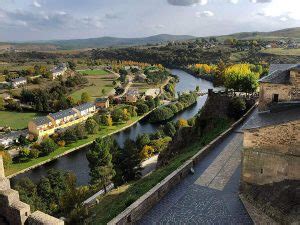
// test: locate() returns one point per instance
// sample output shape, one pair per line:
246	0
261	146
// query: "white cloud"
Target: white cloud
260	1
205	14
233	1
283	19
36	4
283	9
187	2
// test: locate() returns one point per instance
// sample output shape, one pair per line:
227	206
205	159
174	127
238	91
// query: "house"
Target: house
40	125
140	77
85	109
132	95
17	82
102	103
152	92
48	125
59	70
10	138
282	85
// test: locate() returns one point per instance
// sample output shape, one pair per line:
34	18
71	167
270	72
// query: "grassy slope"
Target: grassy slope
98	80
13	168
16	120
119	199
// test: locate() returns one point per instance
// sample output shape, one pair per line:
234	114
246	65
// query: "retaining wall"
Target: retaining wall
137	209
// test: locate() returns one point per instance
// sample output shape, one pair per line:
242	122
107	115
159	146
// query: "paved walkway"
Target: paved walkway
210	196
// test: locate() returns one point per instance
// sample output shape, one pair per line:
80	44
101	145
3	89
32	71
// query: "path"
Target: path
210	195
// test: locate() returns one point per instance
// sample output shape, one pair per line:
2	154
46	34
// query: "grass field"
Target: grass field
282	51
16	120
98	80
94	72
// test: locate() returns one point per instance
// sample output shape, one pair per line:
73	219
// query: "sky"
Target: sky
27	20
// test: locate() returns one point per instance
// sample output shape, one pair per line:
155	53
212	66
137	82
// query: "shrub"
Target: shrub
91	126
34	153
61	143
142	108
6	158
182	123
146	152
48	146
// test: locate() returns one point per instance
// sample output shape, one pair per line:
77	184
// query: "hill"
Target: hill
292	33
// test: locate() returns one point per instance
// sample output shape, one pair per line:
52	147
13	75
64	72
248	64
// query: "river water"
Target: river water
77	162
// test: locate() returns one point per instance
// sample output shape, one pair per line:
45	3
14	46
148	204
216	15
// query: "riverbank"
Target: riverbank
18	168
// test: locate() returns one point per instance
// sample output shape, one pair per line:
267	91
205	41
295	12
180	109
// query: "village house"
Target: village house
17	82
59	70
272	135
281	86
47	125
132	95
102	103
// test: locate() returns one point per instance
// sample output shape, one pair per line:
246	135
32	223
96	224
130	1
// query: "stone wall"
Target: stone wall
271	154
267	91
17	212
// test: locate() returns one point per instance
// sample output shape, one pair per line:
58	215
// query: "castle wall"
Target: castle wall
271	154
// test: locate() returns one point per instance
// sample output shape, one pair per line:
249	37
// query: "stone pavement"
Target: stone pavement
210	196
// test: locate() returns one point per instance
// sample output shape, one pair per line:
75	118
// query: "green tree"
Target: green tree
47	146
2	104
100	162
142	108
85	97
72	65
117	115
91	126
142	140
169	129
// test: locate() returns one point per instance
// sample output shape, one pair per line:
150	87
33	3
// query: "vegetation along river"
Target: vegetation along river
77	162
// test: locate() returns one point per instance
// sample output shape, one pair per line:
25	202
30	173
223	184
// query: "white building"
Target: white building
59	70
20	81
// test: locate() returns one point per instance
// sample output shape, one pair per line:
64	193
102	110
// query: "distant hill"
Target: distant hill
293	33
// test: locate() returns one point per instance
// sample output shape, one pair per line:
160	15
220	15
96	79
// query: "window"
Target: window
261	170
275	97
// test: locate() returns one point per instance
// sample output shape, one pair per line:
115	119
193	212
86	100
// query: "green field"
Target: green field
96	84
16	120
94	72
282	51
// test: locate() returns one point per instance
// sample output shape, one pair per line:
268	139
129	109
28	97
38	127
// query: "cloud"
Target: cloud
284	19
260	1
36	4
233	1
111	16
205	14
187	2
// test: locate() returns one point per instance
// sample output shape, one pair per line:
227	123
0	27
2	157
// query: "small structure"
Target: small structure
58	71
153	92
132	95
17	82
281	85
102	103
140	77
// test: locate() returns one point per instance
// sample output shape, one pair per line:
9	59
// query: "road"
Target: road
210	195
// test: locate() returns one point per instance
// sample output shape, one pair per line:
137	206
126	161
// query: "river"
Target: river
77	162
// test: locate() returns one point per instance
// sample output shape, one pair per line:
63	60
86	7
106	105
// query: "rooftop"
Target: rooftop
62	114
133	91
271	118
84	106
19	79
279	73
41	120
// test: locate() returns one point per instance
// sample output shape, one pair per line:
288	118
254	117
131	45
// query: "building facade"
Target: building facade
102	103
58	71
17	82
48	125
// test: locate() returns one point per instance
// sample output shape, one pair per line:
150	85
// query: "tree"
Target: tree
182	123
146	152
100	162
142	140
91	126
48	146
117	115
125	115
129	162
2	104
85	97
24	155
142	108
7	160
169	129
72	65
237	107
80	131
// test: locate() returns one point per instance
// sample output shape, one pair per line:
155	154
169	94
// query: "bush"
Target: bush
61	143
146	152
142	108
182	123
91	126
237	107
34	153
48	146
161	114
24	155
117	115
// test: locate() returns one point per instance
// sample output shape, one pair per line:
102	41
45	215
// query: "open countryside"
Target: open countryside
108	117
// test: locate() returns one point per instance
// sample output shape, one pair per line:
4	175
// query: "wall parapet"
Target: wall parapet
17	212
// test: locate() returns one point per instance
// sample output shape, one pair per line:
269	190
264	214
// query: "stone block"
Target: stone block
7	197
40	218
4	184
2	175
18	213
